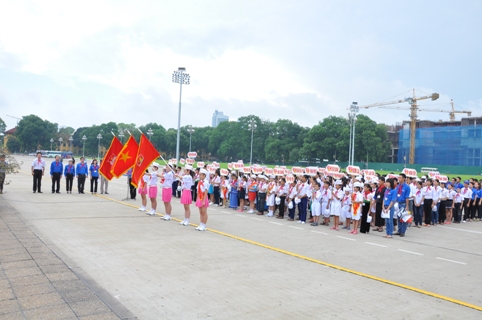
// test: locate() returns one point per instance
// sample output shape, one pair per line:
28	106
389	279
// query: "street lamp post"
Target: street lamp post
190	130
251	126
60	142
352	115
71	139
51	141
182	78
83	145
99	136
121	135
150	133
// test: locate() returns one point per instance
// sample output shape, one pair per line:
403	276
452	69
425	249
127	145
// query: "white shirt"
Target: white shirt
428	192
292	192
168	179
282	190
187	182
303	189
466	193
437	194
216	181
38	164
153	180
451	194
418	196
325	195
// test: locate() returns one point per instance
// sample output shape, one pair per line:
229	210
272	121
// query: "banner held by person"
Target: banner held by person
146	154
126	158
109	158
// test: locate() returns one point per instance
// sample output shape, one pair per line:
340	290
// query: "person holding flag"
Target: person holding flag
186	197
167	192
126	158
143	186
152	189
108	161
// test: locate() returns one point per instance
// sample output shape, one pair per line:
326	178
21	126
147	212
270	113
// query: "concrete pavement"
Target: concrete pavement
157	269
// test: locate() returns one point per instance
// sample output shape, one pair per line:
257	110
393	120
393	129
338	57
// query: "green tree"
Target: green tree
35	133
13	145
371	140
3	126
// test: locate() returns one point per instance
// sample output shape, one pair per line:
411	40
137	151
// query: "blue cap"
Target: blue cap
448	183
466	182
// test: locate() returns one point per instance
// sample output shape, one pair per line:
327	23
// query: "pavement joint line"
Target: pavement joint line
345	238
257	219
279	224
326	264
296	228
451	261
240	215
319	232
416	253
376	244
464	230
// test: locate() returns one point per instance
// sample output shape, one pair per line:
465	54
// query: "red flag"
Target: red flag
109	158
126	158
145	156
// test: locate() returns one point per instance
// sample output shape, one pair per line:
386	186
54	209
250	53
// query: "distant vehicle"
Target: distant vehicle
43	152
52	154
66	155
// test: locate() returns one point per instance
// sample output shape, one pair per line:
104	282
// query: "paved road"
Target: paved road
249	266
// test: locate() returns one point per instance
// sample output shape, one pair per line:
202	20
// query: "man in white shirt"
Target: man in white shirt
38	168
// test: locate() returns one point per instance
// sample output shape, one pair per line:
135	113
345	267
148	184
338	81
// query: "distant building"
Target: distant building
218	117
456	143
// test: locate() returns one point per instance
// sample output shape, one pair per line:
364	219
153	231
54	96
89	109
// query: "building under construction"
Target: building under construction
454	143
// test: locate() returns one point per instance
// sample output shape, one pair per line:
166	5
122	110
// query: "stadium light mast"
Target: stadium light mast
182	78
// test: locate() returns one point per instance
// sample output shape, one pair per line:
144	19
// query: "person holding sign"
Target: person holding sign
202	201
357	201
271	194
252	190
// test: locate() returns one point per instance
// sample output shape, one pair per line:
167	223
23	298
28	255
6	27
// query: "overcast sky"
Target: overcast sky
89	62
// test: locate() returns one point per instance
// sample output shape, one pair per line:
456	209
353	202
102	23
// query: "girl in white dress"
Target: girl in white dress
316	203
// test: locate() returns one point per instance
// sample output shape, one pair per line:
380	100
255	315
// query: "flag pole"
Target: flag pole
113	133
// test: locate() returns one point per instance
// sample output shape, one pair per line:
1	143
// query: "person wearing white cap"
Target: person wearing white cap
152	189
337	196
316	203
271	194
326	197
357	201
202	201
167	192
186	196
346	207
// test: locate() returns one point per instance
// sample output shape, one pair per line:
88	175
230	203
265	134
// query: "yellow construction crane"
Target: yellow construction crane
413	115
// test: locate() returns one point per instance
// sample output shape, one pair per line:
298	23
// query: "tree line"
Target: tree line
283	141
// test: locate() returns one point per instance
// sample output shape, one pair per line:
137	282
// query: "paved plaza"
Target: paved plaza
73	256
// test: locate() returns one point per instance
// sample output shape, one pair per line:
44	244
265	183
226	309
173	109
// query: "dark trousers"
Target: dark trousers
2	179
194	191
261	203
37	180
417	214
473	210
132	189
93	184
441	211
466	212
69	180
175	183
379	222
81	182
302	207
56	181
281	206
457	211
216	194
427	208
291	212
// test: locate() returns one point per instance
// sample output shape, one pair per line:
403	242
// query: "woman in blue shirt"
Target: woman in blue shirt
389	200
94	176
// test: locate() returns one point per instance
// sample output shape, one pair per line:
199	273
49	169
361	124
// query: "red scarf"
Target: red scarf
199	190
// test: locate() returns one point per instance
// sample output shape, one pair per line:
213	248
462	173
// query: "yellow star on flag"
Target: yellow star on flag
125	156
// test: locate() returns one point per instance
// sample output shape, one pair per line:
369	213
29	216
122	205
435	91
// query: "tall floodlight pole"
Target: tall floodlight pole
83	145
150	133
351	132
182	78
99	136
51	141
354	110
71	139
190	130
251	126
60	142
121	135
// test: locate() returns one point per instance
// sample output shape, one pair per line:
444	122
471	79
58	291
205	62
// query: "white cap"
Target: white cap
253	176
358	184
204	171
188	166
347	189
338	182
155	164
272	177
262	176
